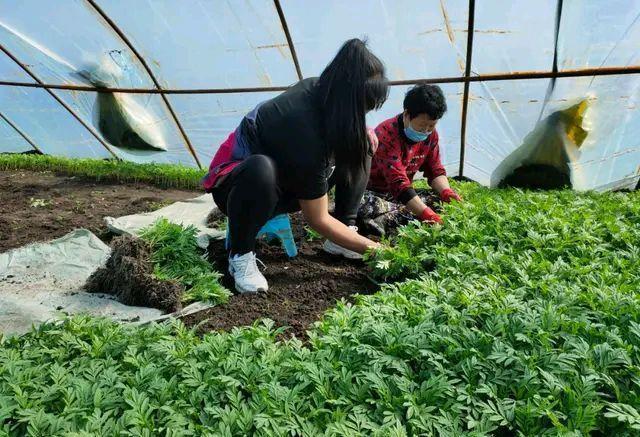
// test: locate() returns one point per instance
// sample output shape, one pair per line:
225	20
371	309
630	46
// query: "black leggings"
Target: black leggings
250	195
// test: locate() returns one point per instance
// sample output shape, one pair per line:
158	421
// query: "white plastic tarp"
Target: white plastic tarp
192	212
44	281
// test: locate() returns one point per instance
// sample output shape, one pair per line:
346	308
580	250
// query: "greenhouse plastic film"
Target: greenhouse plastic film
11	141
48	124
120	118
415	38
209	44
511	124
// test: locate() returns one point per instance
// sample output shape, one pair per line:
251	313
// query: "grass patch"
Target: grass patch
160	175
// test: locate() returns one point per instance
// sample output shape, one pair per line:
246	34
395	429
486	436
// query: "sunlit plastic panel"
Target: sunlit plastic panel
11	71
10	140
59	40
448	127
48	124
513	35
414	38
602	141
208	119
609	157
500	115
144	114
599	33
207	43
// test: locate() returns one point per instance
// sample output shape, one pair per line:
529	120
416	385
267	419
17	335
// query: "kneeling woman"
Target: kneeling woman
280	159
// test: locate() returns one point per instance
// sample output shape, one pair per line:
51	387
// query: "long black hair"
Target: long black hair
352	84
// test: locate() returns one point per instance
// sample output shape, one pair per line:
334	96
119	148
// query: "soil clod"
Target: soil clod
128	275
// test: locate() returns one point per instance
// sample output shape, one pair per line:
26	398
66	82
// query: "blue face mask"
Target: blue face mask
414	135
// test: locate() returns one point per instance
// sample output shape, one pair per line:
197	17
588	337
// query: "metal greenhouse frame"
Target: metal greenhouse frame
466	79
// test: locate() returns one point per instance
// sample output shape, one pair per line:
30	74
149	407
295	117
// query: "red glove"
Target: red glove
429	215
448	194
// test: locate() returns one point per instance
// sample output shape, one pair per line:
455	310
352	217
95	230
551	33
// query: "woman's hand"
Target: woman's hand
430	216
316	213
373	139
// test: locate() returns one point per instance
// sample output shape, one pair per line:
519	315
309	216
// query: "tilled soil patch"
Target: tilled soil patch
41	206
300	289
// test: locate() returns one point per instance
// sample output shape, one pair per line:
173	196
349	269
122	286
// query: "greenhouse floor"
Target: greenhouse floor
41	206
301	289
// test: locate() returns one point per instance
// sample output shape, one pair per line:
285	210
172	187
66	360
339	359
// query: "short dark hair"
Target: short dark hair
425	99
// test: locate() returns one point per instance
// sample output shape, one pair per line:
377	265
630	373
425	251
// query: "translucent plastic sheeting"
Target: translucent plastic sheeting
208	119
208	43
222	44
62	44
414	38
502	114
599	33
609	158
48	124
11	71
499	116
58	39
11	141
448	127
513	35
152	115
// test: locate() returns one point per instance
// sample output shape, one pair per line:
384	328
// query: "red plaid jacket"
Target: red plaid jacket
397	160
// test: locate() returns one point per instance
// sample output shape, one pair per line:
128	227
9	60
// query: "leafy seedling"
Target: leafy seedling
39	203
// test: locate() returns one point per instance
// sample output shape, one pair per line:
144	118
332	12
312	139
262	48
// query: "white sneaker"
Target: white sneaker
334	249
246	275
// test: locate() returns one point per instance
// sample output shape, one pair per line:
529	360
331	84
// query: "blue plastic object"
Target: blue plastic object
278	227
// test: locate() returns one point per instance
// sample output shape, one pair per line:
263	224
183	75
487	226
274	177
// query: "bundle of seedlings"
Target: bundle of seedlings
129	276
162	269
216	219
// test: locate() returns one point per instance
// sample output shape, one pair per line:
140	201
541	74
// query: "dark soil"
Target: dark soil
216	219
128	275
537	177
41	206
300	289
